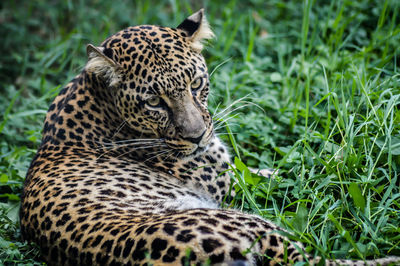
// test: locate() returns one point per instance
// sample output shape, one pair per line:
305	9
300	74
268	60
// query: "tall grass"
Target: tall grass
324	72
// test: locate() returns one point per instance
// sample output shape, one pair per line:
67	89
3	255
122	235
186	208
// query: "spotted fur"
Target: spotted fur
129	170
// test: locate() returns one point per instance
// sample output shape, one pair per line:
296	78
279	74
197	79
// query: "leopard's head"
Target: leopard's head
159	80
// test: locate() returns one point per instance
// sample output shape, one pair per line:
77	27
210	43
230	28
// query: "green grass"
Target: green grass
325	74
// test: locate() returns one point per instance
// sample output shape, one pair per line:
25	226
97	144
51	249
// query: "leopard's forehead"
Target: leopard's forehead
155	55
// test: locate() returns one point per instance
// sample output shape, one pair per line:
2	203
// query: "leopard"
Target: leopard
130	170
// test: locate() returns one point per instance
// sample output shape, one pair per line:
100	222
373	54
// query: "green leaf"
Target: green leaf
378	189
12	197
275	77
13	211
233	141
394	147
357	196
345	234
300	220
331	147
3	178
4	243
244	170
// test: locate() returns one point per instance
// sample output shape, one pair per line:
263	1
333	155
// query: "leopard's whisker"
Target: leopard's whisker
119	128
231	111
219	65
224	125
230	105
224	121
170	153
247	103
133	140
139	148
225	112
111	145
146	146
219	134
133	143
122	154
129	143
135	148
157	151
216	109
116	146
158	154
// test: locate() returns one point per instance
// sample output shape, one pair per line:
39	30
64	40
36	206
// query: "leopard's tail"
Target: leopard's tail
381	261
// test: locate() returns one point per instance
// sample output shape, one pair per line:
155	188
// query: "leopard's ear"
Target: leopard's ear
100	63
197	29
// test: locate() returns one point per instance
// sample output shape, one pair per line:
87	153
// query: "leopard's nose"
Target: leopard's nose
195	140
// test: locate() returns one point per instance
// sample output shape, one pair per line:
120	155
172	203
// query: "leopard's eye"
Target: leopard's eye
197	83
154	101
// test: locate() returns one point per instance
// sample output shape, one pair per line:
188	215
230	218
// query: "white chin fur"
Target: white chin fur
190	202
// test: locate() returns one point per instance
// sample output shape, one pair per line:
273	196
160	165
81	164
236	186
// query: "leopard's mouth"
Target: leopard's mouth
184	148
184	154
187	150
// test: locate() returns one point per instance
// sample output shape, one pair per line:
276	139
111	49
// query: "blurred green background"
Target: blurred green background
323	74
